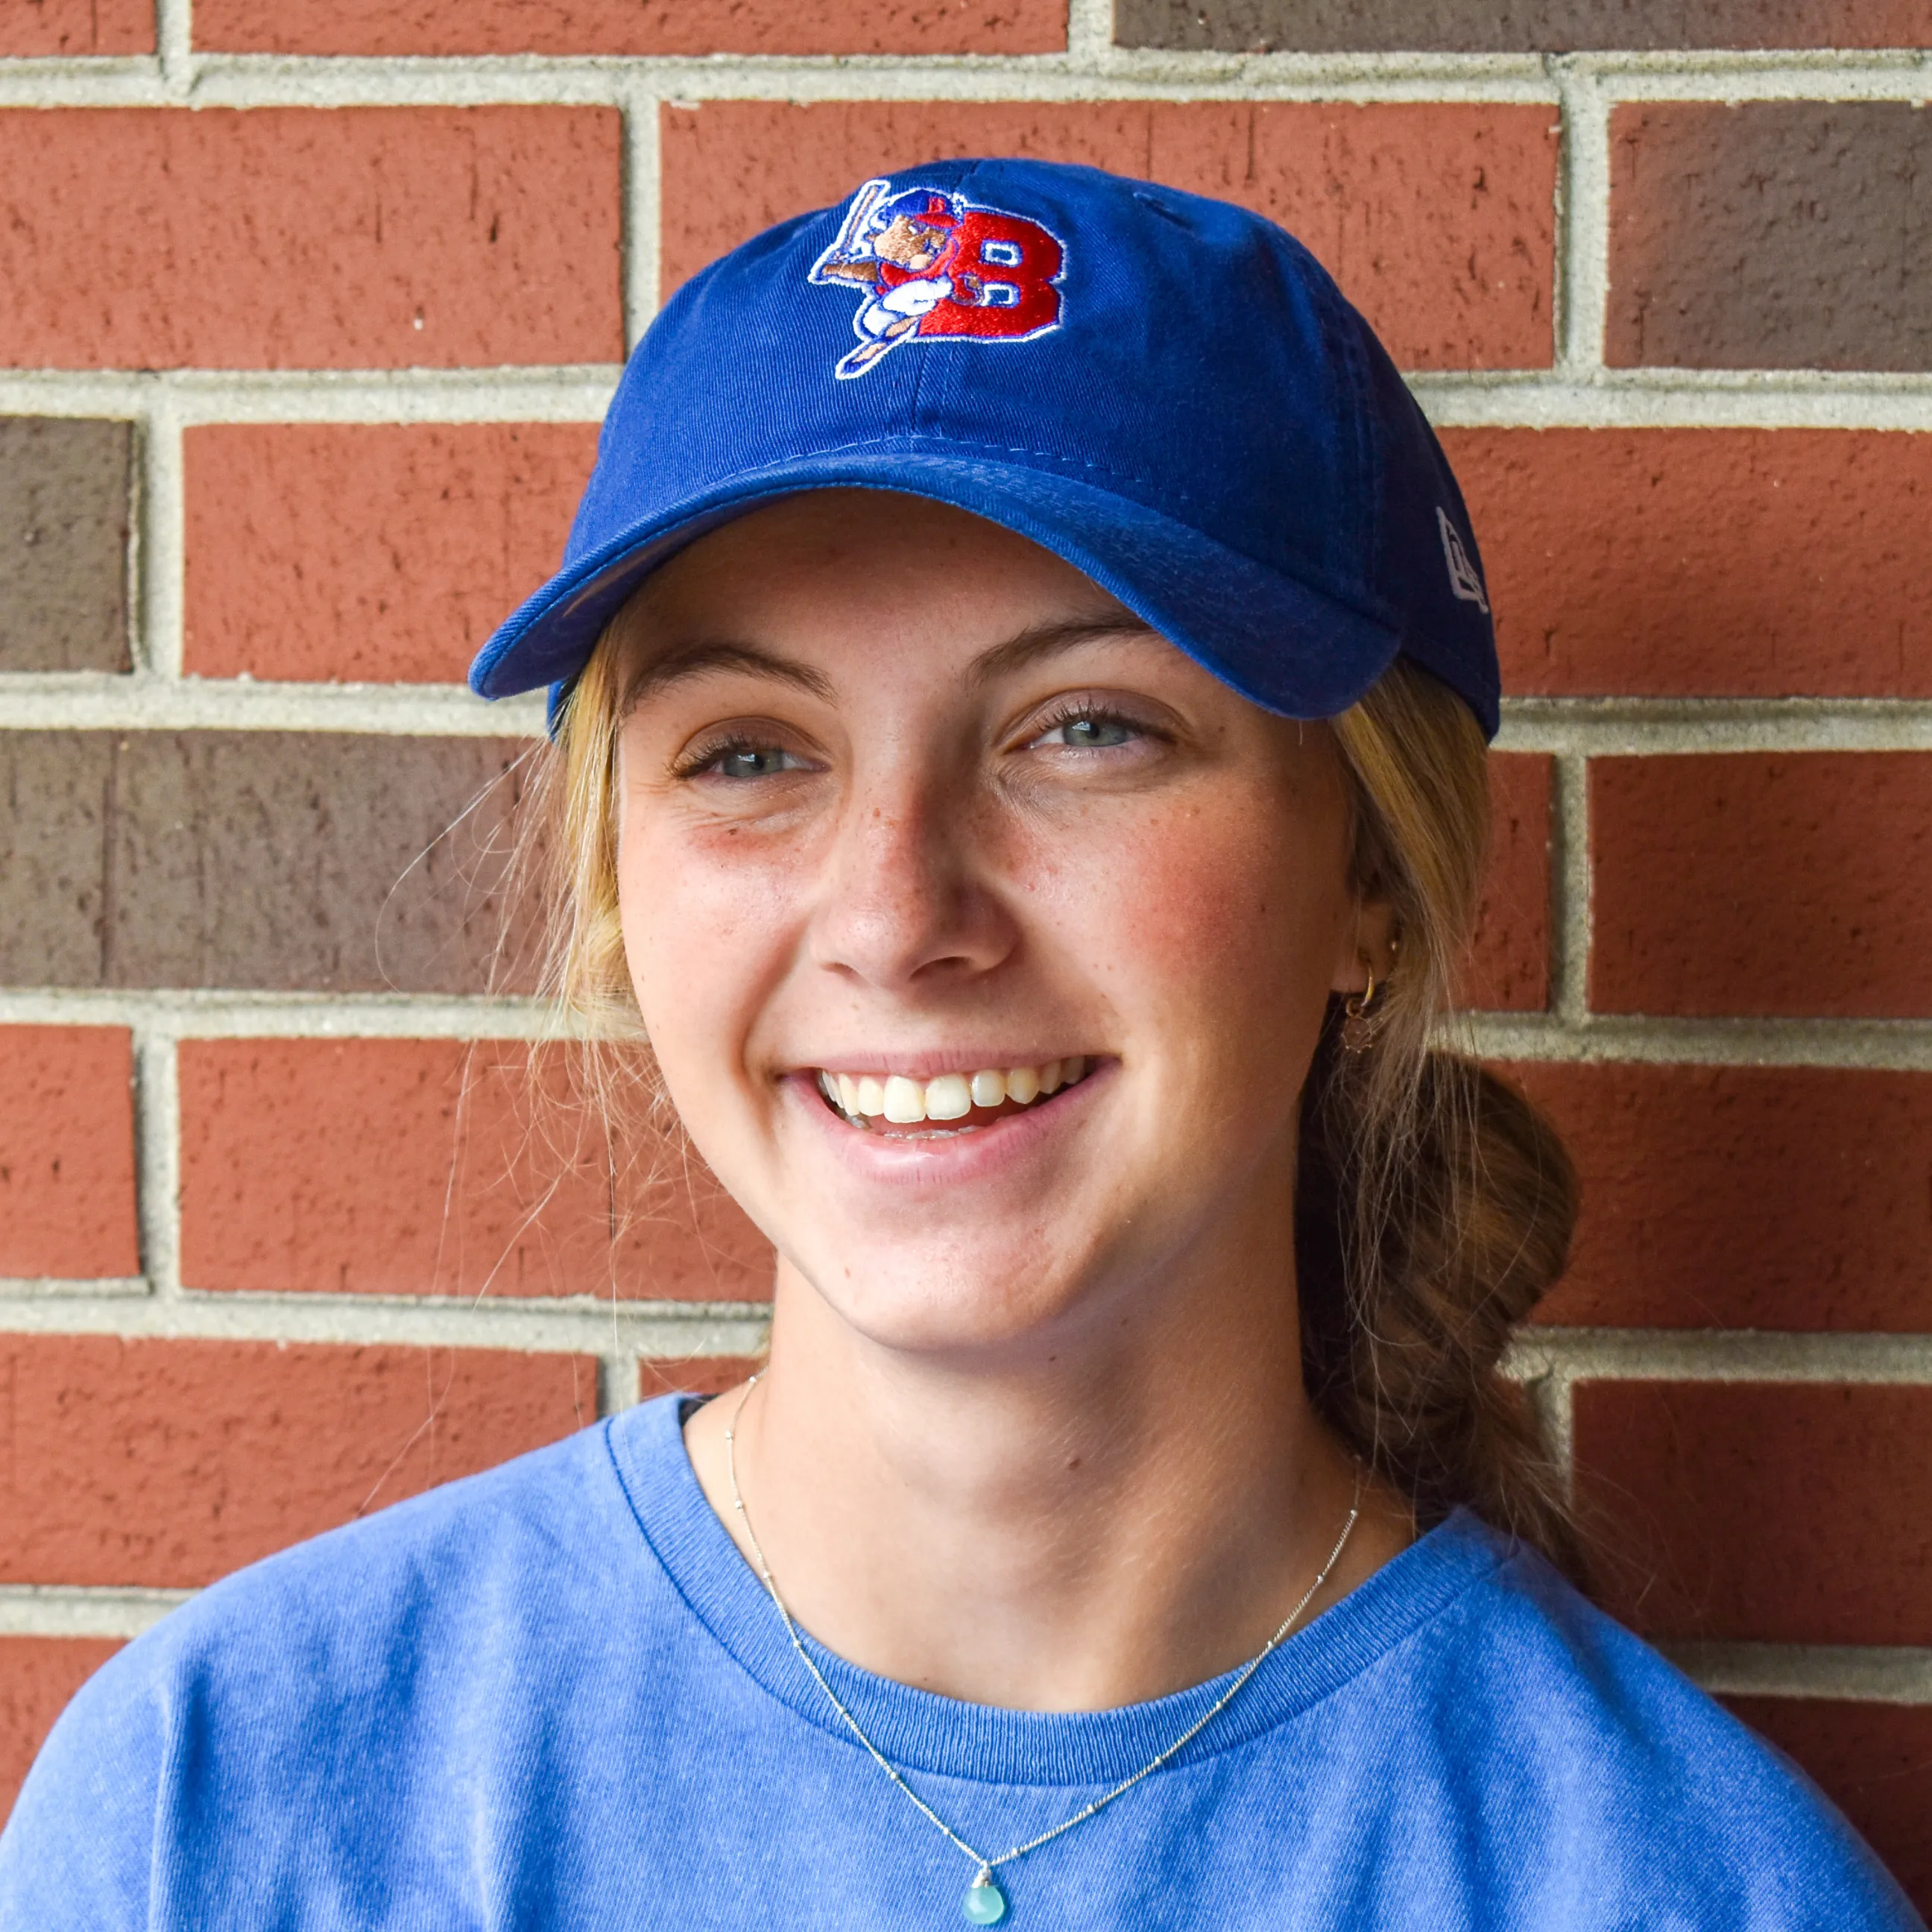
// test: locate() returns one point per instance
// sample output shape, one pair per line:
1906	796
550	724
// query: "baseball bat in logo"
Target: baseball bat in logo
931	265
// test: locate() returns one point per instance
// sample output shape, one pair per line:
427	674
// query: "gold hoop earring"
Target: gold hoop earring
1359	1021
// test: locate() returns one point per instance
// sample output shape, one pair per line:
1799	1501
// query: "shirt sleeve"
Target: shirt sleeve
78	1851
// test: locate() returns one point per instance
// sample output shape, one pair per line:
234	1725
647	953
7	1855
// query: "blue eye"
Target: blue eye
746	761
1092	731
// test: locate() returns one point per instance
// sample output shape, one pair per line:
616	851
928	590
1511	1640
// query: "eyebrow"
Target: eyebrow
1037	642
696	659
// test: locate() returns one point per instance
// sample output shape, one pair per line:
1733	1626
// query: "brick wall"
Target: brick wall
307	312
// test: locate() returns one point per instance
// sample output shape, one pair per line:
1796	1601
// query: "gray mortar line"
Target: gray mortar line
162	539
178	1014
1902	1046
1559	397
157	1169
1720	1355
1874	1673
573	1324
69	1610
174	46
1567	728
1583	208
1670	727
108	701
1570	933
642	213
1088	73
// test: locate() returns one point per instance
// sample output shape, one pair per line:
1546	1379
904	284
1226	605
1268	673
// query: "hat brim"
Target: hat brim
1285	646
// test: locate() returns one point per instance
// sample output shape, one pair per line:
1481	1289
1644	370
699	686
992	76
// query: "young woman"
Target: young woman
1022	776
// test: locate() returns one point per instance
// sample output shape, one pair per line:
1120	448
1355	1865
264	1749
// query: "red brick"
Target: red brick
168	1463
1762	883
1874	1761
37	1676
292	237
52	28
1798	1513
1436	220
1509	964
417	1167
695	1374
384	552
1795	1198
659	27
67	1152
1704	562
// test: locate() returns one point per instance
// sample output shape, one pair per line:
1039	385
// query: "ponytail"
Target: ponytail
1434	1205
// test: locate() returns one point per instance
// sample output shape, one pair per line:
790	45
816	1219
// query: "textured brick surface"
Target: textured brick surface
64	508
252	858
1874	1761
1699	563
37	1676
415	1167
167	1463
52	28
1792	1197
1756	1512
322	551
1509	964
1438	220
67	1152
697	1375
662	27
1756	883
1511	26
294	238
1777	234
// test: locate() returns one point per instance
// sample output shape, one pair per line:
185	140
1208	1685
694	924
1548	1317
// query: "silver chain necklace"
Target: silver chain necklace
985	1903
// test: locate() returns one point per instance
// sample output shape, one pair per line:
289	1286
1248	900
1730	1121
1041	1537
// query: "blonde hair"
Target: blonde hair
1434	1205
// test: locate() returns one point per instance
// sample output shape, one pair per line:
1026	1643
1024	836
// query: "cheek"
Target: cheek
704	925
1215	924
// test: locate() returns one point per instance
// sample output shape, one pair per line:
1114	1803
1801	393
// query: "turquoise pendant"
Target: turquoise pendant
985	1902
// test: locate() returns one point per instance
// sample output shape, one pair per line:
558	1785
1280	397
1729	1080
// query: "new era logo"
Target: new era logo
1463	578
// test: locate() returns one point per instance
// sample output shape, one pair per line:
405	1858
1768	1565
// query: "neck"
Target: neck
1095	1521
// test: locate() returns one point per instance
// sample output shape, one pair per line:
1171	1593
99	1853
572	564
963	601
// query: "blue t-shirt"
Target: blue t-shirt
554	1696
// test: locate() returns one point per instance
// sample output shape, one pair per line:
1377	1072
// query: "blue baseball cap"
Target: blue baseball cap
1169	392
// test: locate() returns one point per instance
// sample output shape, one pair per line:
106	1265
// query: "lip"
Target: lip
984	1154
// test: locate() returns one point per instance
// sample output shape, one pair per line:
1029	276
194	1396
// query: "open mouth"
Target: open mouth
949	1103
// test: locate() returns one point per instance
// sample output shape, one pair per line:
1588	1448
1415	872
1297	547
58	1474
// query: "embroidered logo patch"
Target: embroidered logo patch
1464	579
933	266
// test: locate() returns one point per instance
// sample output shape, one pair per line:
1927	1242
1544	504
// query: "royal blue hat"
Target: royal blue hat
1167	392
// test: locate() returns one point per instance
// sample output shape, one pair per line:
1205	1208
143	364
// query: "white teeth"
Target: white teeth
905	1101
947	1097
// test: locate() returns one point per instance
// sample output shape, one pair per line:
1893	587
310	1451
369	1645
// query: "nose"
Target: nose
908	898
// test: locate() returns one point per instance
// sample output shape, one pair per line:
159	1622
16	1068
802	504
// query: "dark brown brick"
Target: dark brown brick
1761	1512
1776	234
63	543
252	860
1873	1761
1517	26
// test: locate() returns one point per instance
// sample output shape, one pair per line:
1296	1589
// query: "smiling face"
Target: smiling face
983	938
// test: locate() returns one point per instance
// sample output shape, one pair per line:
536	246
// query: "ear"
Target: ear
1368	944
